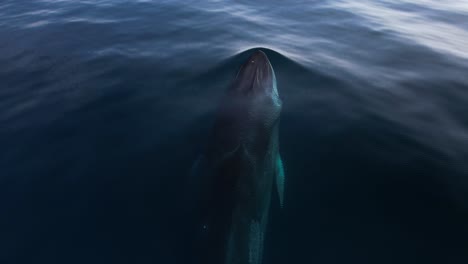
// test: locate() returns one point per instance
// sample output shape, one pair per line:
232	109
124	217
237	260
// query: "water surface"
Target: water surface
104	106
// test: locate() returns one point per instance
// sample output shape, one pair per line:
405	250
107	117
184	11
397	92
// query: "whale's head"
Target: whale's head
254	86
256	78
251	109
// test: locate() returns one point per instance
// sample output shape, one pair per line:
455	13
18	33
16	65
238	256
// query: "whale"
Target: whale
241	167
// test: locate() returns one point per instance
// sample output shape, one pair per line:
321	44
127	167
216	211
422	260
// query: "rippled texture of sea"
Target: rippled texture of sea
105	105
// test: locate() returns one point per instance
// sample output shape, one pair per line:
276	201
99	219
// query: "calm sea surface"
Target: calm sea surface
105	105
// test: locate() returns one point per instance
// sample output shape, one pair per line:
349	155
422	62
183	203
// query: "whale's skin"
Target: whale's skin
242	163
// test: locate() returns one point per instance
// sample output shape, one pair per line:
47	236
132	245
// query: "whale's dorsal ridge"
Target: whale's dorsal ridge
244	164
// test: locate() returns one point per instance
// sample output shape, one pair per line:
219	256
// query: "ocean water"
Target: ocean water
105	105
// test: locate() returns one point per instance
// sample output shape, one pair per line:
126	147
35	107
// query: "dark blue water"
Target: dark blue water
105	105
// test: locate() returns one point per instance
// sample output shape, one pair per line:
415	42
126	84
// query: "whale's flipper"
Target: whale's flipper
280	180
196	183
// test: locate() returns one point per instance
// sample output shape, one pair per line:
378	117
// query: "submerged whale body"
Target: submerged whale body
241	165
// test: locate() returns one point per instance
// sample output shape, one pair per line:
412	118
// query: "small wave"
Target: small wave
92	20
443	37
37	24
231	63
